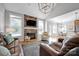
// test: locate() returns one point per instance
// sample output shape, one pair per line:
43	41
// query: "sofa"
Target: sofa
9	45
69	47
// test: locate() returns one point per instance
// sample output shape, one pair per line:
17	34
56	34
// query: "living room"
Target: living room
39	29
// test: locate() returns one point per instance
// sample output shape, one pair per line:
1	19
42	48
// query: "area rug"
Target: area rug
31	49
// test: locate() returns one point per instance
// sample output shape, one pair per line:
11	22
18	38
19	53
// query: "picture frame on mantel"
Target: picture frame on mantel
76	25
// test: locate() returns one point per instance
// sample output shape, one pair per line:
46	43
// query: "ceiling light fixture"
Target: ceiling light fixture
46	7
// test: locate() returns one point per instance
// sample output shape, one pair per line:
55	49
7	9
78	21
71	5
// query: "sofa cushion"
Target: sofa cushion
4	51
69	43
73	52
56	45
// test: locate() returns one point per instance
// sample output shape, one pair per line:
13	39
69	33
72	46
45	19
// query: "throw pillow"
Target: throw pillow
4	51
8	38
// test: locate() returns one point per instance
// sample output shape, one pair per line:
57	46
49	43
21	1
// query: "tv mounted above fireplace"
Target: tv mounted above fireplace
31	23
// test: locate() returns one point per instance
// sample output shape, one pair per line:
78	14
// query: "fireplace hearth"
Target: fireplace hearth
32	34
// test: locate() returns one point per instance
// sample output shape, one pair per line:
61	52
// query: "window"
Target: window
50	29
61	28
40	27
14	24
64	28
54	28
57	29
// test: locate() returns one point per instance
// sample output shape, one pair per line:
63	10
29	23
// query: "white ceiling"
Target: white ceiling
62	8
26	8
33	10
65	18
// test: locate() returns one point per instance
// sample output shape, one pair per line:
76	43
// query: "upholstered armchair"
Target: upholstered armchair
45	36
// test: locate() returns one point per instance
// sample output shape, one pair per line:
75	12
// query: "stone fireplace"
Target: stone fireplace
30	27
32	33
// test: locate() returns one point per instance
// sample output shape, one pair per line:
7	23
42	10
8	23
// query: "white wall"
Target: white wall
2	10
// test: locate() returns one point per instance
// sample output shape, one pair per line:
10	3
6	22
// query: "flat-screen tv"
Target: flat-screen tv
31	23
